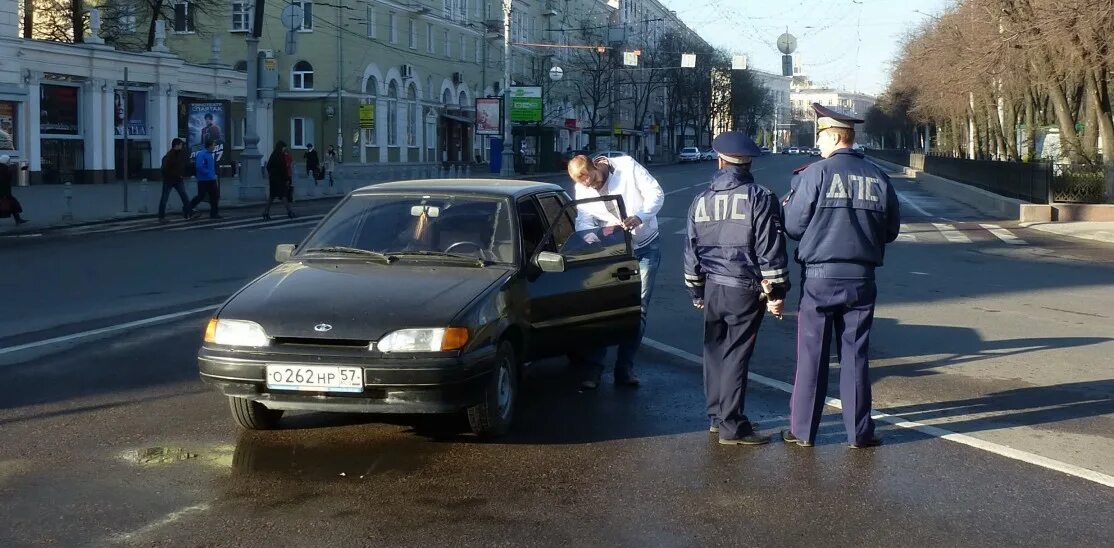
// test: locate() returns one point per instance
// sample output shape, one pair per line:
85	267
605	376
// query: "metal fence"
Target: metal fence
1028	181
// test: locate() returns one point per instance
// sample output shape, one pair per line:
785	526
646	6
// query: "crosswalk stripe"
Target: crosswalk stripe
1004	235
291	225
951	234
261	224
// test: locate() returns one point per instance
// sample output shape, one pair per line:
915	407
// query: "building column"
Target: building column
96	109
165	120
381	128
31	120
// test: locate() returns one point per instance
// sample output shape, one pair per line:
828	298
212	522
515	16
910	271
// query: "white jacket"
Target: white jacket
642	198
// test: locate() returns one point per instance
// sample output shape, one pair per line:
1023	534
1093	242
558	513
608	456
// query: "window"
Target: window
301	132
412	116
462	10
447	9
392	23
121	17
301	77
463	55
370	22
307	14
563	225
429	38
183	17
413	34
532	226
242	16
392	114
371	92
448	45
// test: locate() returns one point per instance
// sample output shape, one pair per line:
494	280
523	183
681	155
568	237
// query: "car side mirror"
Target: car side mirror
283	252
548	261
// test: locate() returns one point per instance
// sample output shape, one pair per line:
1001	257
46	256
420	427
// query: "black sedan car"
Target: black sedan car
423	297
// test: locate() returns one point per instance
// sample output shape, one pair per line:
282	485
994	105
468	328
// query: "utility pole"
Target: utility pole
251	185
508	148
340	83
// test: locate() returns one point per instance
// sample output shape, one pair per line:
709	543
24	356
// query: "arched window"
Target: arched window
301	77
412	116
446	97
392	114
371	94
240	66
463	100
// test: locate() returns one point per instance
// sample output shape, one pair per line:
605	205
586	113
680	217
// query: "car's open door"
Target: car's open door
585	287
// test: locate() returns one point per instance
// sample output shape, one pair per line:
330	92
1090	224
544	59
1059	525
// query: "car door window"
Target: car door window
557	217
595	242
532	226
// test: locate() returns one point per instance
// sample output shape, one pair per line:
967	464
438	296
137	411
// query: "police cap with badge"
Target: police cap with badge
827	118
735	147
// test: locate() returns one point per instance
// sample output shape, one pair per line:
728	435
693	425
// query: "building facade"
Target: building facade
69	113
856	104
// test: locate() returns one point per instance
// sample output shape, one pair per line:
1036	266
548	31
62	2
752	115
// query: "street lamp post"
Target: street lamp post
251	186
508	150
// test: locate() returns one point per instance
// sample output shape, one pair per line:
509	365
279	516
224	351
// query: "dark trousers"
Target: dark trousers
208	189
181	188
847	306
732	316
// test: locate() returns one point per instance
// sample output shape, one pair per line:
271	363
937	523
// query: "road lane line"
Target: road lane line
951	234
934	431
912	204
685	189
1004	235
259	223
109	329
166	520
292	225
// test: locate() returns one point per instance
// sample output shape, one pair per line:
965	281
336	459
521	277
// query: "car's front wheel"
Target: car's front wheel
493	415
253	415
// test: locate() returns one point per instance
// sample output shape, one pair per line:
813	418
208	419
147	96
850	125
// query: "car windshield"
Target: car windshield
418	226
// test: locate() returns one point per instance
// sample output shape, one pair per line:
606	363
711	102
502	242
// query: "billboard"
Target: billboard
207	120
136	115
8	134
367	116
526	104
489	116
58	114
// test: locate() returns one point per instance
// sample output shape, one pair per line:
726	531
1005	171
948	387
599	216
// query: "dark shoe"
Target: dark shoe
20	221
873	441
266	216
789	438
754	438
713	428
627	379
290	214
589	384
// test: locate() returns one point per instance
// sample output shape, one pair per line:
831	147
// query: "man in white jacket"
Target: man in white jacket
642	199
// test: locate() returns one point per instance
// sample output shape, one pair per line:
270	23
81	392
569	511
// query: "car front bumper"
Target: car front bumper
418	385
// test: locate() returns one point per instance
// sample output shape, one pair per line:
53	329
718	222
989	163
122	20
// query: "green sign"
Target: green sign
526	104
367	116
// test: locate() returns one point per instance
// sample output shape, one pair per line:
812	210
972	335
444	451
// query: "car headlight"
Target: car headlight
441	339
236	333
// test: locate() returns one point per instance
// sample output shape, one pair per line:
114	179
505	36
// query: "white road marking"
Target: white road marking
258	224
686	189
913	205
906	238
951	234
934	431
920	273
1004	235
292	225
166	520
109	329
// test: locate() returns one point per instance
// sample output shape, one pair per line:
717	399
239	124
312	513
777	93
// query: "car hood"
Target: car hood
358	300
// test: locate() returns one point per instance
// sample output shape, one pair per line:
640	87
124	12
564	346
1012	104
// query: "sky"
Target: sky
846	44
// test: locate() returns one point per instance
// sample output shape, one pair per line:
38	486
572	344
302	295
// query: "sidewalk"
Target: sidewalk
1096	231
46	206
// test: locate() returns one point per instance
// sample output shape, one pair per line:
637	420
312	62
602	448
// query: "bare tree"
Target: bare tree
592	74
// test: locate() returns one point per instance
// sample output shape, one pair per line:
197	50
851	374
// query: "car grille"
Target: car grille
311	342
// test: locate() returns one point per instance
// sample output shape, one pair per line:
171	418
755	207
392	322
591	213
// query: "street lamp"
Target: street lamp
508	154
556	73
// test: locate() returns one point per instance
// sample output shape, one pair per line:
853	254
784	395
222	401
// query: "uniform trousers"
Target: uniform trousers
732	316
847	306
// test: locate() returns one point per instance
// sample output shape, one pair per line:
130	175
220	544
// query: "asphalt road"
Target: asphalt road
990	355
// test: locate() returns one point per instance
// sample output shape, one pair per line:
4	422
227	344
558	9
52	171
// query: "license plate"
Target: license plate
315	378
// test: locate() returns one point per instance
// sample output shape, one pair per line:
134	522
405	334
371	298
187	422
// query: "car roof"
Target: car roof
489	187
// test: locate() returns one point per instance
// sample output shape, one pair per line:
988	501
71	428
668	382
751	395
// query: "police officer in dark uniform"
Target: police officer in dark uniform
735	243
844	211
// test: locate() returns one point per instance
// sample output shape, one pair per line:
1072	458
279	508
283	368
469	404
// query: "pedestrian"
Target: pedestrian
844	211
330	163
643	198
173	178
207	187
277	181
9	206
733	248
313	163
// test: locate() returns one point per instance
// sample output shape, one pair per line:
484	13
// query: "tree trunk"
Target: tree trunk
28	19
156	10
1100	97
1063	112
1030	128
77	18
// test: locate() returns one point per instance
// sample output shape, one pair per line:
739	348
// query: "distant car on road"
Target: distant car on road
423	297
708	155
690	154
610	154
765	150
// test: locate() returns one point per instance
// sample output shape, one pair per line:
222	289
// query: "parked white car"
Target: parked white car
690	154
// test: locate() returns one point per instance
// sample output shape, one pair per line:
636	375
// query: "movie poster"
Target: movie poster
58	114
7	125
136	116
489	117
207	121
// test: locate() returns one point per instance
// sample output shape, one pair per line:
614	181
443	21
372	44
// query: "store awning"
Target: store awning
457	118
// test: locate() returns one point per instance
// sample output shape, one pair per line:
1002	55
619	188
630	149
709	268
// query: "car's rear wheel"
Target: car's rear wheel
253	415
493	415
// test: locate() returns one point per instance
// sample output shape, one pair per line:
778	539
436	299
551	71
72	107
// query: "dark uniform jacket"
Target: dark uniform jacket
844	211
735	236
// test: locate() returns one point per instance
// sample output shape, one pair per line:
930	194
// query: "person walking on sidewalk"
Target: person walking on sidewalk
277	180
331	163
207	181
9	206
313	163
173	168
